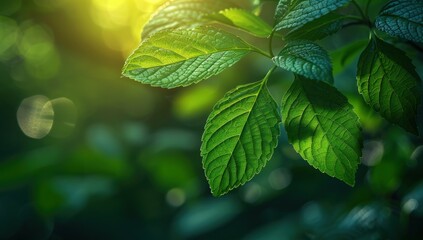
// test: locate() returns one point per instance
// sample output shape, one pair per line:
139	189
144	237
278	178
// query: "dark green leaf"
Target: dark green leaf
318	28
306	59
323	128
389	84
181	57
183	14
240	136
296	13
402	18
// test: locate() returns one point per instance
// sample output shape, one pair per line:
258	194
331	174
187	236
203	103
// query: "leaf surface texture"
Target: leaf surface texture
389	83
240	136
307	59
402	18
323	128
182	57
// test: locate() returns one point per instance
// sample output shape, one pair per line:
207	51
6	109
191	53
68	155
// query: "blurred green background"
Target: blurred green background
86	154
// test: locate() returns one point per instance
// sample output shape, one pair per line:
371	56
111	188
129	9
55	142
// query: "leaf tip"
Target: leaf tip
217	193
349	182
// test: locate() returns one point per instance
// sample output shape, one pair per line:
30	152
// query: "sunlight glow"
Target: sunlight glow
121	21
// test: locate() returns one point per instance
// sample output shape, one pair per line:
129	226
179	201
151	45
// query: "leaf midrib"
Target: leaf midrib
137	66
380	55
325	132
239	137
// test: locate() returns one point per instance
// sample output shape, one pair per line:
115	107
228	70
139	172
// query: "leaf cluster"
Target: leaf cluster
185	42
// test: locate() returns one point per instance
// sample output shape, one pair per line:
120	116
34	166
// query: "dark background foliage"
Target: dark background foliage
122	159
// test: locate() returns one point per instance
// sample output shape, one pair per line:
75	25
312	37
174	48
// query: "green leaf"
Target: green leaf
402	18
183	14
318	28
181	57
344	56
323	128
240	136
247	22
389	83
296	13
306	59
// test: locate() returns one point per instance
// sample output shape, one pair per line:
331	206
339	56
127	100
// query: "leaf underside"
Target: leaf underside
307	59
181	57
323	128
240	136
402	18
296	13
389	84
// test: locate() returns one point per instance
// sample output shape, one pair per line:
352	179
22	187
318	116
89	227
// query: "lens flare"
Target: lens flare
35	116
38	117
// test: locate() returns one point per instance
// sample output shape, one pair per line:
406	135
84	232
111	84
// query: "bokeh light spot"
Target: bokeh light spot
175	197
35	116
38	117
372	153
36	46
65	117
279	179
410	205
35	43
252	193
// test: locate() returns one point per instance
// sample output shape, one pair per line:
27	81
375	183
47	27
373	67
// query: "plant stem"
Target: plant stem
269	73
271	43
258	50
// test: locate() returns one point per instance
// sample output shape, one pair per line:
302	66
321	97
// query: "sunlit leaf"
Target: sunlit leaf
306	59
323	128
402	18
240	136
247	21
296	13
182	14
181	57
389	83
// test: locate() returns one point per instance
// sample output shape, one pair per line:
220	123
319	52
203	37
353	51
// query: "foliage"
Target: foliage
243	128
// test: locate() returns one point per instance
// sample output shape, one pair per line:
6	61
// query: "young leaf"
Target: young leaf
402	18
318	28
307	59
323	128
247	21
183	14
389	84
240	136
296	13
181	57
